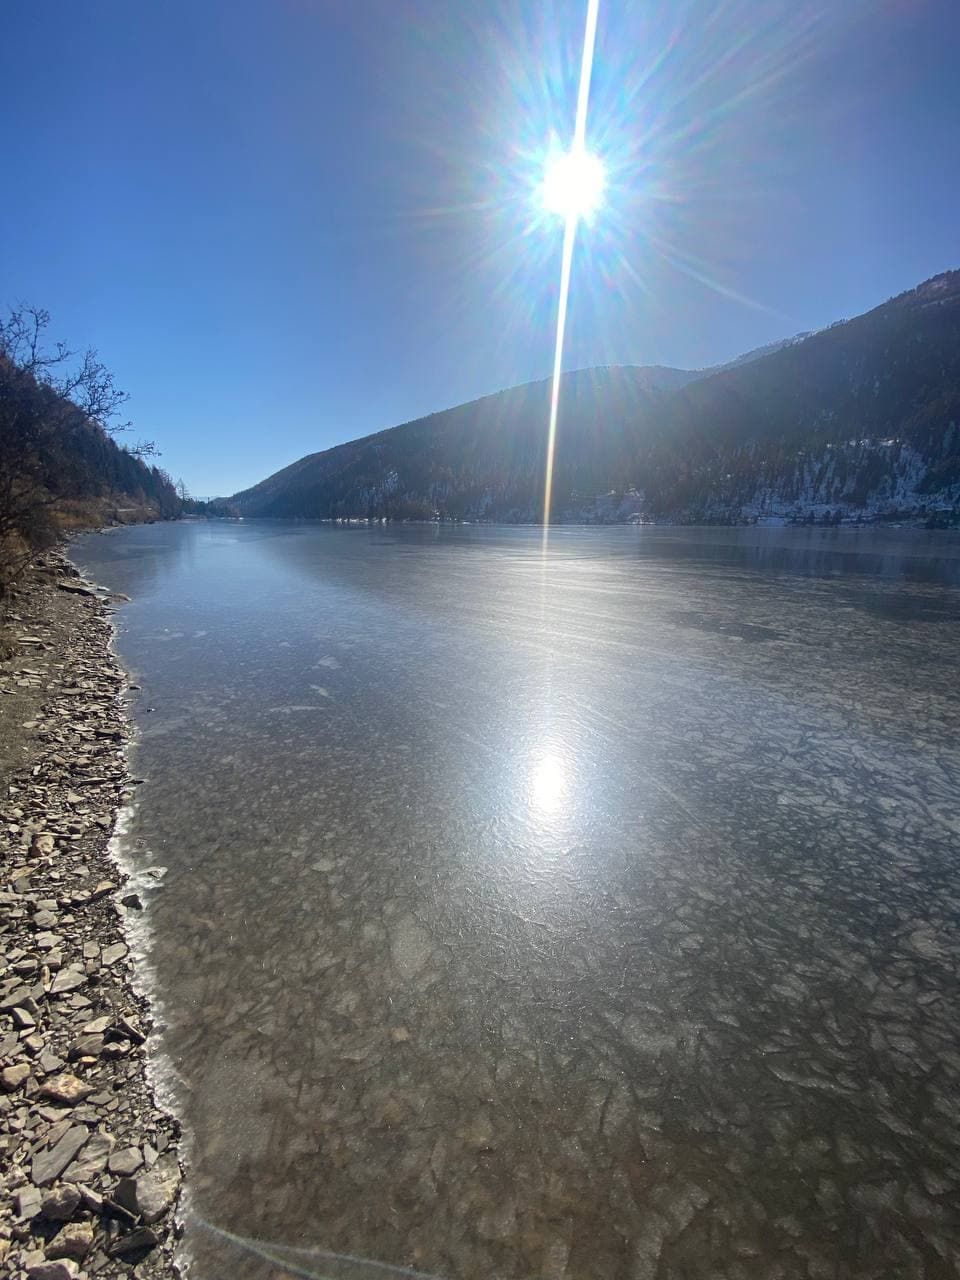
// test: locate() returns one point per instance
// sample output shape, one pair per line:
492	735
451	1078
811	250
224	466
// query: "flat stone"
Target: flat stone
86	1047
73	1241
96	1027
62	1270
92	1199
13	1077
26	1203
49	1164
99	1148
110	955
130	1029
60	1204
67	980
14	998
65	1088
150	1195
126	1161
142	1238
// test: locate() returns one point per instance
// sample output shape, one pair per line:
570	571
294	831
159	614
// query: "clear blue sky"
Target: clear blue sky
287	223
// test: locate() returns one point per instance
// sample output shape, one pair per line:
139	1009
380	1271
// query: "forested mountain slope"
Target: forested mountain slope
59	465
861	419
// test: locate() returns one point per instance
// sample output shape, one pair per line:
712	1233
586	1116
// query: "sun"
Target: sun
573	184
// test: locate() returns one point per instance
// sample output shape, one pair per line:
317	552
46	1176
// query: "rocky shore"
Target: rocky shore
89	1162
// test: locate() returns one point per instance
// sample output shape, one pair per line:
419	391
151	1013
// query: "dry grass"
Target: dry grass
72	516
8	644
94	513
15	556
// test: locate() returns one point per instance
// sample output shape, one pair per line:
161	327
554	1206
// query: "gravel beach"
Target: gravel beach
90	1162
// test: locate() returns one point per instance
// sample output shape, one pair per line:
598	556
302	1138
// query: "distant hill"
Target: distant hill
858	420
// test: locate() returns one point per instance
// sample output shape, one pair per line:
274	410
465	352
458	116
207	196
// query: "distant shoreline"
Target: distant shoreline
926	521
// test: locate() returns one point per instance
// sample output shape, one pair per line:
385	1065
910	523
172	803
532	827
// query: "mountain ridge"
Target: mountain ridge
857	420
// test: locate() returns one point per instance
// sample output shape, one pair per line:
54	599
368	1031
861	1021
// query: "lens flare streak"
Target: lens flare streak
566	263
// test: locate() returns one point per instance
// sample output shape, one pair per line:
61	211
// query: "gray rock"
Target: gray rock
86	1047
62	1270
26	1203
110	955
67	980
60	1204
126	1161
48	1165
94	1158
92	1199
141	1238
18	996
150	1195
130	1030
73	1241
13	1077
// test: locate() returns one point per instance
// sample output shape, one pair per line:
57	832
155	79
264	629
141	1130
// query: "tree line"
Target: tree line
59	461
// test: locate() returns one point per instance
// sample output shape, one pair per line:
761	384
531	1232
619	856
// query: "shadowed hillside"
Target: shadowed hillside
59	465
856	420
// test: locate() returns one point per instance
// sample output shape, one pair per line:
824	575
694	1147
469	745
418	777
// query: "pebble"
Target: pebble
70	1136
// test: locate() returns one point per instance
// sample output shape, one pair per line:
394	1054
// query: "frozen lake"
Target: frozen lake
595	916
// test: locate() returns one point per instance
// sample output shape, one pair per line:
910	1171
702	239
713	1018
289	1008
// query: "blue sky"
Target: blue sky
289	223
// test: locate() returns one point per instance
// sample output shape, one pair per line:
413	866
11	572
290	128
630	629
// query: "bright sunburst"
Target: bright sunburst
573	184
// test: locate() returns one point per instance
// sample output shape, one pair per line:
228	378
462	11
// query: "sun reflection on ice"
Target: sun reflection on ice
548	783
